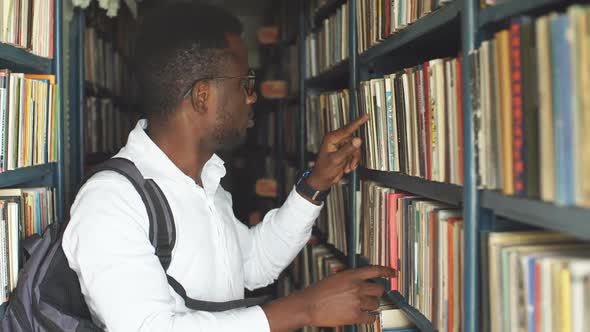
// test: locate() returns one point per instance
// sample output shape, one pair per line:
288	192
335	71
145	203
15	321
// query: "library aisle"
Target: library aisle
473	183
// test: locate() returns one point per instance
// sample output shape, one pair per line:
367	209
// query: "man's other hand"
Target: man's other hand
347	297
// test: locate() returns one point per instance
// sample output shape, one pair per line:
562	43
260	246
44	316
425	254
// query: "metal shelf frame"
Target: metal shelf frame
409	47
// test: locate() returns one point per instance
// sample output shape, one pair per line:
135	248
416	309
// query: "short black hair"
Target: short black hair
176	45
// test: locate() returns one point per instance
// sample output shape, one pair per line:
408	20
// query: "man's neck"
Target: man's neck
178	142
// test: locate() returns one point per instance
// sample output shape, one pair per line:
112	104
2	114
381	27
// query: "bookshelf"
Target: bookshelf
458	27
50	174
19	60
432	27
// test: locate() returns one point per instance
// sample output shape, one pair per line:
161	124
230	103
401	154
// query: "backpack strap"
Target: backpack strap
214	306
163	232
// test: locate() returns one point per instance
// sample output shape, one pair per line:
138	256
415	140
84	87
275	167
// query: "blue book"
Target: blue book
390	126
563	109
38	212
531	298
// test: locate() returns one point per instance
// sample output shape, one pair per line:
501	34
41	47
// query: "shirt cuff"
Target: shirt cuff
305	207
297	214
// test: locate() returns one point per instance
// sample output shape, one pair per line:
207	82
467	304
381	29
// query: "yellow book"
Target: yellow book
566	299
546	149
503	54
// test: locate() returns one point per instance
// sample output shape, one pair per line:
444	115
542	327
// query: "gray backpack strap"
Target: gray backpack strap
214	306
163	232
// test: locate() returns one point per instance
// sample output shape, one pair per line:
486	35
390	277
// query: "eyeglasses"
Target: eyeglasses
247	82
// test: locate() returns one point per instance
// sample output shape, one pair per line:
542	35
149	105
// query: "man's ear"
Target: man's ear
201	96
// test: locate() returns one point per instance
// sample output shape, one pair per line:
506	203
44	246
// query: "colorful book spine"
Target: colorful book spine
562	110
518	147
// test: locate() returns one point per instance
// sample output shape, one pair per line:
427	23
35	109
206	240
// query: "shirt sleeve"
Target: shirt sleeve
271	246
124	285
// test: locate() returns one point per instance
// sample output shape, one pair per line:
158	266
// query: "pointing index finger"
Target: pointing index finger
350	128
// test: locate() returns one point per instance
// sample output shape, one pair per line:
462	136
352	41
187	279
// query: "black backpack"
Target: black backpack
48	298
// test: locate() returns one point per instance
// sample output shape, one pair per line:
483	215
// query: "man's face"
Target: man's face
233	107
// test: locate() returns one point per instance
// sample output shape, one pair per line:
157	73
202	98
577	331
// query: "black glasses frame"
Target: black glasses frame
248	82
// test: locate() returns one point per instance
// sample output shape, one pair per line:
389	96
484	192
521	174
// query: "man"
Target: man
193	72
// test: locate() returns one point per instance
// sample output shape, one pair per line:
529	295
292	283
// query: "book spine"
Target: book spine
427	146
518	148
459	132
530	107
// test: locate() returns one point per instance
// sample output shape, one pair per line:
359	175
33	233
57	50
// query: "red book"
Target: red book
387	8
392	199
451	276
460	116
518	151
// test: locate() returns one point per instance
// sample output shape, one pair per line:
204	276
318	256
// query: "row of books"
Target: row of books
416	121
29	25
530	107
379	19
423	241
328	46
325	112
29	120
105	67
537	281
23	212
107	126
333	218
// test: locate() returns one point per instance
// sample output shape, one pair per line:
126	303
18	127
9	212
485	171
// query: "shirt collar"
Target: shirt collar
154	163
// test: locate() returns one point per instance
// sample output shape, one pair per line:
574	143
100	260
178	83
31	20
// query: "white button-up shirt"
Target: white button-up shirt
215	256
